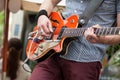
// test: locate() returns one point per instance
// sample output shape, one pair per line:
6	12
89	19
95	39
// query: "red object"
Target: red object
58	23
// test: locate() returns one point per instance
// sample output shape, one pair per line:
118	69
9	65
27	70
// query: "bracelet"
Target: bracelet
41	12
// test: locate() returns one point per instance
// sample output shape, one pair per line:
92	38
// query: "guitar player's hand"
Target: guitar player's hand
90	36
44	25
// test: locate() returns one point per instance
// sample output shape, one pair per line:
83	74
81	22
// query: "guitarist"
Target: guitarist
83	59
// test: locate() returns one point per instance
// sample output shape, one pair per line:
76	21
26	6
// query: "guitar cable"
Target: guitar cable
23	65
25	61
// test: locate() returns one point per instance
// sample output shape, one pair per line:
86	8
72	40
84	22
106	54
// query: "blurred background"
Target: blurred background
22	21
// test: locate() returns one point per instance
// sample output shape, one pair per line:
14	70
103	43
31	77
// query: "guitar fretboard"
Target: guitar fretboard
70	32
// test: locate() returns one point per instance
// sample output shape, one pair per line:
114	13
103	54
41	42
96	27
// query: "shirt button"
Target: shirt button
81	1
75	11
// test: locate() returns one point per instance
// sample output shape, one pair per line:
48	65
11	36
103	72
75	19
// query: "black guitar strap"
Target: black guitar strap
89	11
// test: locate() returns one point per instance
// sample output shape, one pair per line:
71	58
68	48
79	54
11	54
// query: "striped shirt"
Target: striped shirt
105	16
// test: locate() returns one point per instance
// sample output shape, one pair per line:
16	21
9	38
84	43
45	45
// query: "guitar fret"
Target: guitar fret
77	32
115	31
110	31
99	30
119	31
102	31
82	31
106	31
70	32
96	31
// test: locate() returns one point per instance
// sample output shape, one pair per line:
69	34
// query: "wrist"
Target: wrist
100	39
41	12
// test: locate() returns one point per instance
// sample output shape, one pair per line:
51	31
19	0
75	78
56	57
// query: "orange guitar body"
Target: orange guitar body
41	49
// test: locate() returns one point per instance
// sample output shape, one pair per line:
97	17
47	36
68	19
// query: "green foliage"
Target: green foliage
115	57
117	61
112	49
1	26
1	18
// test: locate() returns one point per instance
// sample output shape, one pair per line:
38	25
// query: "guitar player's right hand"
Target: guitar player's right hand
44	25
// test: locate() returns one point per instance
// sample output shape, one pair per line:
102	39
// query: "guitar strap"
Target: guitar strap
89	11
115	23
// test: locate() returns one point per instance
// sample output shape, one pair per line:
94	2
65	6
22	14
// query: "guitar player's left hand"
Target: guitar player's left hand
90	36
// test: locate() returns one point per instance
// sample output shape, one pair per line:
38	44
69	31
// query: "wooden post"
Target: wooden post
5	40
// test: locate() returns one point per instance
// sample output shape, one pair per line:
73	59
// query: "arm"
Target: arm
114	39
48	5
43	22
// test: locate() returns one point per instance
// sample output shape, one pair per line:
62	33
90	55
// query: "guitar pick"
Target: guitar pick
14	5
1	5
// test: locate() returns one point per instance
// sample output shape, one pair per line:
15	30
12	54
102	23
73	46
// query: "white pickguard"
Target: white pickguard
43	47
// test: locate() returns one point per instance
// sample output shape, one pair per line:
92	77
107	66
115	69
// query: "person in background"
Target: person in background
15	69
1	60
84	56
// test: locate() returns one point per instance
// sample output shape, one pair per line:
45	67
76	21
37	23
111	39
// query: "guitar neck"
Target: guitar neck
70	32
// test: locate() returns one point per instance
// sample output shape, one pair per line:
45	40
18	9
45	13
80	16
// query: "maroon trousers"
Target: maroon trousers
56	68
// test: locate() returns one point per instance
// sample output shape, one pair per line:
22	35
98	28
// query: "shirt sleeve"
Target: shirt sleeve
118	6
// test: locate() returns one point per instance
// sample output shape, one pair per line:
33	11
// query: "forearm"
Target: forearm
49	5
115	39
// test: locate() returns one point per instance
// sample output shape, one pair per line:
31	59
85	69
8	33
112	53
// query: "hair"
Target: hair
13	61
1	52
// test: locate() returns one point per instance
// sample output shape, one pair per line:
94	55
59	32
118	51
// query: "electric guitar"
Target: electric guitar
65	31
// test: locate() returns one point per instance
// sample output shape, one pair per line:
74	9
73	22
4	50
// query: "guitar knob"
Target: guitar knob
41	46
36	54
40	37
72	21
37	40
82	21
